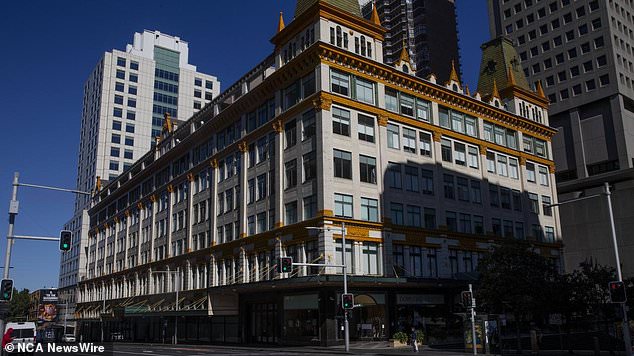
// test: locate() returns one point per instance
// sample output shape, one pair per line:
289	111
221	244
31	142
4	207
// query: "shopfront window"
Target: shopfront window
301	317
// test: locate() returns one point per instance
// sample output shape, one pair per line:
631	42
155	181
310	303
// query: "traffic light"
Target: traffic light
285	265
347	301
65	239
617	292
467	299
6	289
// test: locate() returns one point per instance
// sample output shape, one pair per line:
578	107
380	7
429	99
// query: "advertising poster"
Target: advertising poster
468	335
47	310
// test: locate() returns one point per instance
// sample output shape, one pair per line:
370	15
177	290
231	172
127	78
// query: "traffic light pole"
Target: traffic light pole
626	326
627	340
13	212
345	286
345	278
473	328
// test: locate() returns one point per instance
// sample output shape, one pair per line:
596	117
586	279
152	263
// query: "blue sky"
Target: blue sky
50	47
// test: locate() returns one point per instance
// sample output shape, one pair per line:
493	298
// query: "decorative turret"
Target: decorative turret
375	16
502	78
280	24
539	90
167	125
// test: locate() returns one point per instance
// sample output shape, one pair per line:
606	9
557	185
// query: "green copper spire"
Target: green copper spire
351	6
500	64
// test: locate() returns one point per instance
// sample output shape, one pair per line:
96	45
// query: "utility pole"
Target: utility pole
606	187
626	327
473	328
13	212
345	276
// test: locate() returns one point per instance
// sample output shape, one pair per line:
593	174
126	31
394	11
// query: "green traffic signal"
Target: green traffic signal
65	238
6	287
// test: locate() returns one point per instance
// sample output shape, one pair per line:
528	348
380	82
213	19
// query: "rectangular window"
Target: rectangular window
474	157
451	220
430	218
308	125
533	200
478	224
343	205
549	234
364	90
445	150
290	169
393	136
309	161
261	218
251	225
490	162
396	213
114	152
494	197
340	83
427	181
513	168
422	110
411	179
530	172
406	105
413	216
424	143
409	140
261	179
517	200
464	223
291	212
476	192
546	208
251	191
462	185
496	226
290	133
341	121
310	207
367	169
391	99
121	62
366	128
342	161
505	198
460	153
394	175
369	209
448	185
502	167
543	175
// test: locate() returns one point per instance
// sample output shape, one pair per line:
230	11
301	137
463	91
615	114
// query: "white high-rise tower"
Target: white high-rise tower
125	99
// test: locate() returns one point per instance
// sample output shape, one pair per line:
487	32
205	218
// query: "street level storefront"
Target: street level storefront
301	311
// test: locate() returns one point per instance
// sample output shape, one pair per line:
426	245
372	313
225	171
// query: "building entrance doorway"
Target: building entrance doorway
263	323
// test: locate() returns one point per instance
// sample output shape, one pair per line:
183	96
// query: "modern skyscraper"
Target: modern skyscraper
425	176
125	99
582	53
428	29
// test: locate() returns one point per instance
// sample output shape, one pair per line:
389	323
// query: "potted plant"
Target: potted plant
399	339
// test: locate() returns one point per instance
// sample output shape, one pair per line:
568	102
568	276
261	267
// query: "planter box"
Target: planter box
397	344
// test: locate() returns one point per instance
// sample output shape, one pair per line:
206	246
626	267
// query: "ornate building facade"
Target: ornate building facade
426	177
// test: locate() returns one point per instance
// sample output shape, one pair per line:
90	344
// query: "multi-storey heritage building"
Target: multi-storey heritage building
425	176
125	97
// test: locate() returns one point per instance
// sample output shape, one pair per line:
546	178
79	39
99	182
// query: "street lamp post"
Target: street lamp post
176	306
626	329
346	327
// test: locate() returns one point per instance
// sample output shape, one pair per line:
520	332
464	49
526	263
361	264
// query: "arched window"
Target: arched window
345	40
369	49
363	45
307	36
405	68
496	103
454	87
339	37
